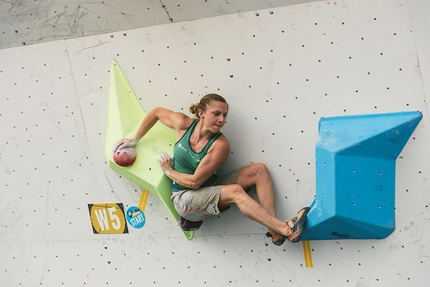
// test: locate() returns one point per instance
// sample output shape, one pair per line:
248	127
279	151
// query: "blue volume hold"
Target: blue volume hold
355	175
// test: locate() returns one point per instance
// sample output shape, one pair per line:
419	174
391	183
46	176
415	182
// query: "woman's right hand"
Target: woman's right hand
123	143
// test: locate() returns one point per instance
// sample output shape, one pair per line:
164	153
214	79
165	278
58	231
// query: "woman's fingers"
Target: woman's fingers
123	143
165	162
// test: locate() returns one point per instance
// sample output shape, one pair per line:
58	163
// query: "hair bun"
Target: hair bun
194	108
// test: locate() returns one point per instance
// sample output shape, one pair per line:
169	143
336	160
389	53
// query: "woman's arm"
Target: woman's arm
216	156
174	120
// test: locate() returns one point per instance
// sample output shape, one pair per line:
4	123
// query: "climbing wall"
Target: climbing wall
27	22
281	70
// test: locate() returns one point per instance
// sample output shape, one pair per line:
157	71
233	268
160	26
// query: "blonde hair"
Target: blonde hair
204	101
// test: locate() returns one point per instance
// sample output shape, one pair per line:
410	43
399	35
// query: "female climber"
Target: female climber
199	151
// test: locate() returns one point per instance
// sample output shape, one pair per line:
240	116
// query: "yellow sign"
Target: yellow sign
108	218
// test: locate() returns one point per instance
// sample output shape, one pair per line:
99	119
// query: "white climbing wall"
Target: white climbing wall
281	70
26	22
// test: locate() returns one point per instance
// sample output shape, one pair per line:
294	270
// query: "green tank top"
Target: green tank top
186	160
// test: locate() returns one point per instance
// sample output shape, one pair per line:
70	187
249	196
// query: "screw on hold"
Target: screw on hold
257	14
271	12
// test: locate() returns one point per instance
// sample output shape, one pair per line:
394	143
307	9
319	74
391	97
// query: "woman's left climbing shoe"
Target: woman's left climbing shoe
296	224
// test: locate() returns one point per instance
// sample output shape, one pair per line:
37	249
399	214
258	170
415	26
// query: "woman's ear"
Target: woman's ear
200	113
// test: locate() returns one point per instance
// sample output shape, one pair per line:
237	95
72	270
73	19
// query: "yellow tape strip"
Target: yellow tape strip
307	254
143	199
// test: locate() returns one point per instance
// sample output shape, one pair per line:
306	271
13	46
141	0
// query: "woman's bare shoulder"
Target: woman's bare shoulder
221	143
182	121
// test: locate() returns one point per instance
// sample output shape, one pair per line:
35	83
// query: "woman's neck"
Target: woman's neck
200	133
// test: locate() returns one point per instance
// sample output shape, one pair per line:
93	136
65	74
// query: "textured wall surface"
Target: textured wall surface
281	70
26	22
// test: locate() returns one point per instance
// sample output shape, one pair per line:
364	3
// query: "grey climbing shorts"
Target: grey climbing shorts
196	205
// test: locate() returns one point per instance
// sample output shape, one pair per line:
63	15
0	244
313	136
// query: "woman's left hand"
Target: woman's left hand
165	163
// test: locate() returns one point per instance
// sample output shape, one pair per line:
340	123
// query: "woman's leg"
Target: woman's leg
258	175
263	211
234	193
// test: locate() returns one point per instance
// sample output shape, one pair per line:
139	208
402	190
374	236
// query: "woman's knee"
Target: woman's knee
250	175
258	170
234	190
261	169
232	193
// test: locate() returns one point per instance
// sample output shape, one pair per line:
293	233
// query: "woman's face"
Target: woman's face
215	115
